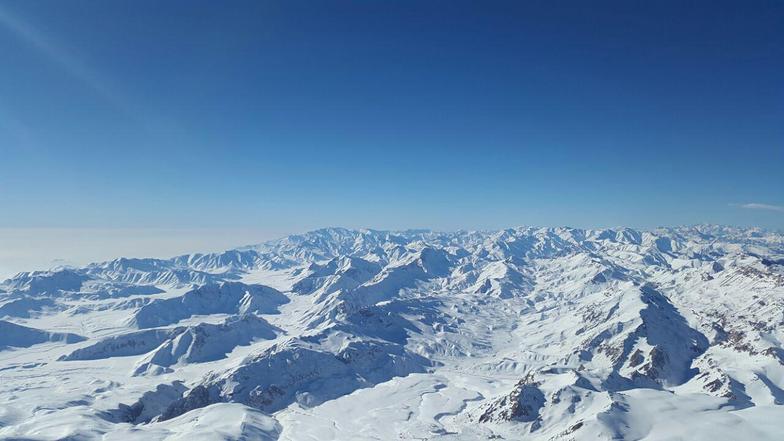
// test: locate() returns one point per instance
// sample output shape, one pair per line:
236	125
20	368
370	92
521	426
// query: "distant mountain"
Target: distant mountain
524	333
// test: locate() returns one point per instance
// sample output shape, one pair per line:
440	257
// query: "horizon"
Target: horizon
287	116
352	219
43	249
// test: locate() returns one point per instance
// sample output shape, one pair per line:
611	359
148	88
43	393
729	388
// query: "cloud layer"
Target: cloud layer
757	206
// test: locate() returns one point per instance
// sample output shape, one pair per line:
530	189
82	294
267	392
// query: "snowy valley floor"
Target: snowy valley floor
527	333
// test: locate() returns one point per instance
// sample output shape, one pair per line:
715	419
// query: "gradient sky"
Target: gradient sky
294	115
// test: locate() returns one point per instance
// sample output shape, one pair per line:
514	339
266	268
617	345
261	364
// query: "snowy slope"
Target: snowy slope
523	333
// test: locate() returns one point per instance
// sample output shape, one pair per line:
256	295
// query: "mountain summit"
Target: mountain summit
524	333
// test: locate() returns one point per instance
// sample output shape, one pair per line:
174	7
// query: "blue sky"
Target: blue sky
294	115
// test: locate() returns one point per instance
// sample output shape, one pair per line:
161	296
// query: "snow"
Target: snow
18	336
534	333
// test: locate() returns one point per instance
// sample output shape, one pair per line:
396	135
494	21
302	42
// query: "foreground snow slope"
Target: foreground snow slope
525	333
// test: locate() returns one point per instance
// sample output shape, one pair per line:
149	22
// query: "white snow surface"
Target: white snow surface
524	333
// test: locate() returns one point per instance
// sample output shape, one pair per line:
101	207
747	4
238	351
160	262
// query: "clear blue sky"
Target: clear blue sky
390	114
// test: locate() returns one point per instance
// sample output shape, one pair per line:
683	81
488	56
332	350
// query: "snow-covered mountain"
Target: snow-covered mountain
524	333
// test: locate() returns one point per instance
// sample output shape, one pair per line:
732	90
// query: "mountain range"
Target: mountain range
524	333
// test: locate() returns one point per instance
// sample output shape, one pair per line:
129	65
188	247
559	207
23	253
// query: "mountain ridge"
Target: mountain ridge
543	332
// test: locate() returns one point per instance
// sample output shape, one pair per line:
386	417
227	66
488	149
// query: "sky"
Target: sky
279	117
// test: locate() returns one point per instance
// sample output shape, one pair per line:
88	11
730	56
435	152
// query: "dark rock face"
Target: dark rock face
149	405
522	404
196	398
